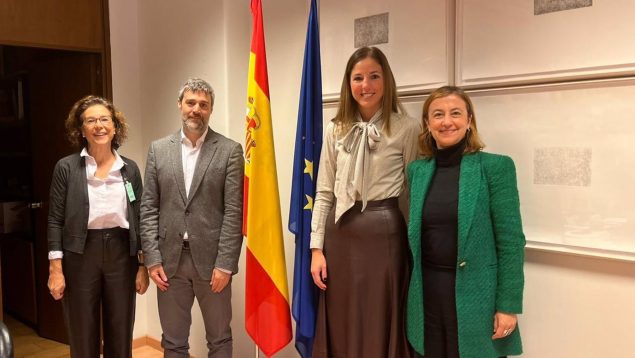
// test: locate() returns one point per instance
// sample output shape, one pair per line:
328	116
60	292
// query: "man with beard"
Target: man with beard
191	224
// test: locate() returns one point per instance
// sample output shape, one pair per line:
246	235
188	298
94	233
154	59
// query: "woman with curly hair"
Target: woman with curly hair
93	232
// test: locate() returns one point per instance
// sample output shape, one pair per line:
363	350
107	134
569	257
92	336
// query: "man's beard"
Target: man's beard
195	125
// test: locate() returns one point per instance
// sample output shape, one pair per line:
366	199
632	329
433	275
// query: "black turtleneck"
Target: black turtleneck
439	230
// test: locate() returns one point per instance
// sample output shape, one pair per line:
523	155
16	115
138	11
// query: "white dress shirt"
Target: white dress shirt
189	156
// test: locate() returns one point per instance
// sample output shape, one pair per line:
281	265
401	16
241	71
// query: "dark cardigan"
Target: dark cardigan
68	204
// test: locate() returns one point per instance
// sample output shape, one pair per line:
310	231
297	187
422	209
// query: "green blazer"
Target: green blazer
489	266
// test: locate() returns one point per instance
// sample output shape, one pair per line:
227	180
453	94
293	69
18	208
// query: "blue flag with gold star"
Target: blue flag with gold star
308	144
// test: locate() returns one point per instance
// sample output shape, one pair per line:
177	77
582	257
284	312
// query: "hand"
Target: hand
504	324
318	268
56	282
158	276
142	282
219	280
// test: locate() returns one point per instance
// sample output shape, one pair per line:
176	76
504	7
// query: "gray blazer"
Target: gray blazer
211	214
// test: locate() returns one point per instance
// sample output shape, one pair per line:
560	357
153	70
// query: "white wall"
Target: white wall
126	84
577	306
574	306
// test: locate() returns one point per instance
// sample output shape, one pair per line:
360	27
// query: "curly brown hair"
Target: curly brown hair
75	121
427	144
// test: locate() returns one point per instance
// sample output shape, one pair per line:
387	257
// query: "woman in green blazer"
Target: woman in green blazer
466	238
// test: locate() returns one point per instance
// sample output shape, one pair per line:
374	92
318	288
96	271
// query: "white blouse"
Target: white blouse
107	197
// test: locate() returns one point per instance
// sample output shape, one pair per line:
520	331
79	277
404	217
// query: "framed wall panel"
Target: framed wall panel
419	44
574	159
502	42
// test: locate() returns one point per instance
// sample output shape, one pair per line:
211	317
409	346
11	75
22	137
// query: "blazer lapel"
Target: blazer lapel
423	176
204	159
420	183
469	188
177	164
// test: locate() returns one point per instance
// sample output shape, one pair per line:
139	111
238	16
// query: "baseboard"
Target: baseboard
146	341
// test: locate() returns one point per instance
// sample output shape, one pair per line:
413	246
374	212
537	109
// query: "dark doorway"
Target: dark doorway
37	88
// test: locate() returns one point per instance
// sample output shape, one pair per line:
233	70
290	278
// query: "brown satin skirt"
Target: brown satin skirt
361	313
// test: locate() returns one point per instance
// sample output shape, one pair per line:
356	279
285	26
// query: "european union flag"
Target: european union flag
305	167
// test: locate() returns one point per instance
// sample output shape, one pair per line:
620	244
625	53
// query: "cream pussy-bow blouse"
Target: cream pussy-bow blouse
365	164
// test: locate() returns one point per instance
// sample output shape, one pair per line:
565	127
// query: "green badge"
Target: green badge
131	196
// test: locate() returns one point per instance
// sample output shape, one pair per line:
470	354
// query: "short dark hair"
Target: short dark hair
196	85
75	121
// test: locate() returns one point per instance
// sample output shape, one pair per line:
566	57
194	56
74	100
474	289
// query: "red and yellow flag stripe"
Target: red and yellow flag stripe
267	313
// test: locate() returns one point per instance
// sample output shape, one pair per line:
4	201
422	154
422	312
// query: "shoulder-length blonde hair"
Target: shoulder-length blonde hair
427	144
348	107
75	121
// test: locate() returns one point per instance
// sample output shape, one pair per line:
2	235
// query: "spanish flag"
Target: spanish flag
267	313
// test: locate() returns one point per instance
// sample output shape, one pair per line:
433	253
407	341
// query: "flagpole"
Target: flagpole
257	351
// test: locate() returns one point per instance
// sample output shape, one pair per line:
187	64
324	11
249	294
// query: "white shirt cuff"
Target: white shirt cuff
224	270
54	255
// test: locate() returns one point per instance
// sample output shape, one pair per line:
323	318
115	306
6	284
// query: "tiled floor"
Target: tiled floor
27	343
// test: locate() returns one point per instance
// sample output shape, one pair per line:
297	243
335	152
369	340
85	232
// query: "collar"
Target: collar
117	165
199	141
451	156
374	118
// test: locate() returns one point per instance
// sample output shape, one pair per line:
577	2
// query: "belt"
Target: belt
115	232
386	203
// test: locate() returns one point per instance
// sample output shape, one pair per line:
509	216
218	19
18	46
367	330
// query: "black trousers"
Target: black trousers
102	277
440	323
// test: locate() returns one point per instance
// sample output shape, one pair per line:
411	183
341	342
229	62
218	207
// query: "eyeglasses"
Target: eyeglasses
105	121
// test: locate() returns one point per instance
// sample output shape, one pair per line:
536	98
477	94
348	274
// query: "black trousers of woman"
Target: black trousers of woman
440	321
102	277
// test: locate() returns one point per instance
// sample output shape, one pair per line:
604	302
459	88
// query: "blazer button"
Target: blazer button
187	212
180	234
462	264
